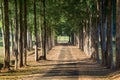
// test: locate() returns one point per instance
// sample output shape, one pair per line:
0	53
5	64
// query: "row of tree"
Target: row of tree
88	23
96	36
20	20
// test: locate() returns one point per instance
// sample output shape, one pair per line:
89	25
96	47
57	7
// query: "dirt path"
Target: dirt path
68	63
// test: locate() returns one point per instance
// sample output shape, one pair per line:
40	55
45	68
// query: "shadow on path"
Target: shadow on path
65	65
68	68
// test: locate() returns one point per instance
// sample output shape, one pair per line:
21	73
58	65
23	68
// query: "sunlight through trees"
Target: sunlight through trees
91	25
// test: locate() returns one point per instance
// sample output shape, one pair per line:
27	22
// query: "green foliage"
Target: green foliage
62	16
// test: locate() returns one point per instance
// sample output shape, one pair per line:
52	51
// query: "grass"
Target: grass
62	39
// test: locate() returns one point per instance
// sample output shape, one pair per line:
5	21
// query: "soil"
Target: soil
64	62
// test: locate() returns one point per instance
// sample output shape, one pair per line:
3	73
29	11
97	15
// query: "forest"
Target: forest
35	25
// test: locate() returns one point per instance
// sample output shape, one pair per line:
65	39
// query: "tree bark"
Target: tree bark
16	35
35	30
81	39
6	37
86	38
12	37
21	35
118	34
109	35
45	29
29	40
72	38
25	32
53	38
94	40
103	31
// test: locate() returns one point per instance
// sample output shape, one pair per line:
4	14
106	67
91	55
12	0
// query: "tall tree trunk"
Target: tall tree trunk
29	40
41	29
12	37
98	27
21	35
35	30
75	41
38	36
89	34
6	37
51	42
47	42
103	31
16	35
113	29
47	38
109	35
118	34
53	38
86	38
25	32
81	39
72	38
41	37
94	40
45	29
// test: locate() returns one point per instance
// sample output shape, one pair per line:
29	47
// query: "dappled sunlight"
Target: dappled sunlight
59	39
63	62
